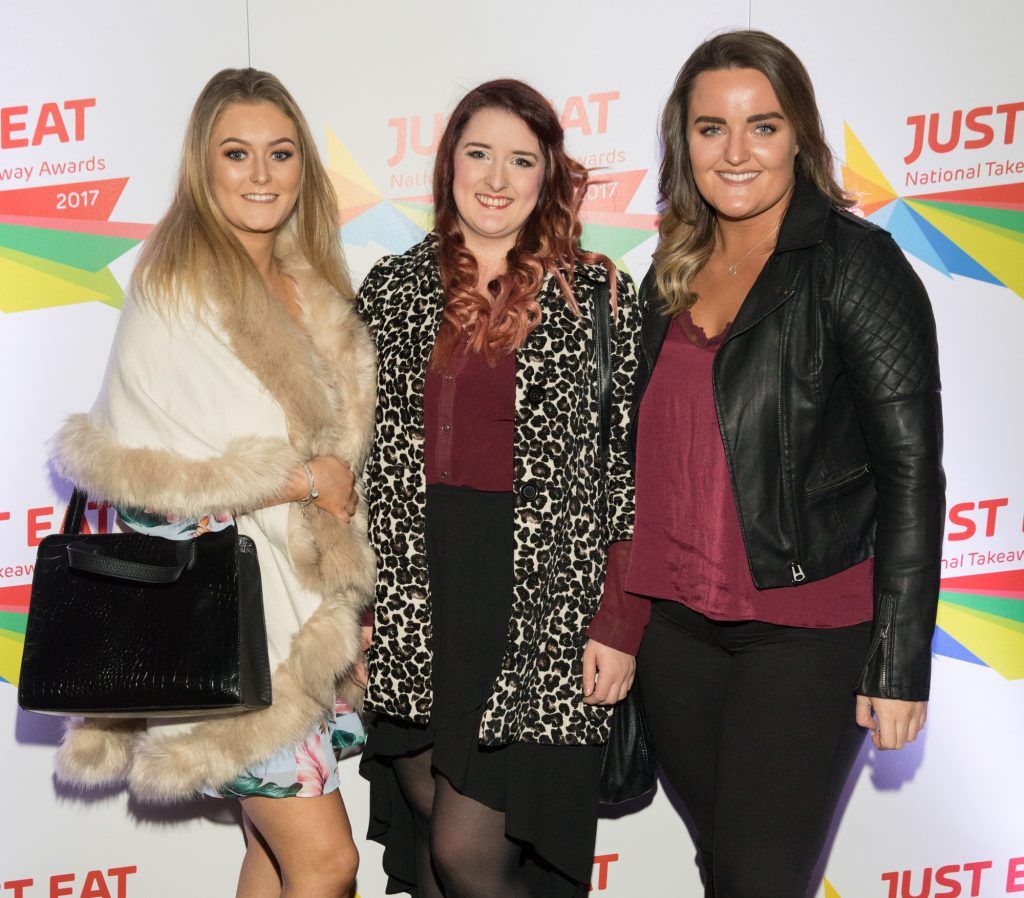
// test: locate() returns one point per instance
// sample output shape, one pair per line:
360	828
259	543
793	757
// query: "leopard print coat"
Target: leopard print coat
561	538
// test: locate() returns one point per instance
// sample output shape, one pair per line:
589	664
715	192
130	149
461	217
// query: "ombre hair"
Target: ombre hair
688	224
549	241
192	256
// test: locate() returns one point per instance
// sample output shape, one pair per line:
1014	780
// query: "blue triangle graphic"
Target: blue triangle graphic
385	225
944	644
955	259
906	230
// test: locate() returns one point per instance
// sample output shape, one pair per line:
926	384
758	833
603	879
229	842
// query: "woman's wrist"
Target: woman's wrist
311	494
298	483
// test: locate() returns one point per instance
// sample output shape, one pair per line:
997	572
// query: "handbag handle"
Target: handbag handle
88	558
75	513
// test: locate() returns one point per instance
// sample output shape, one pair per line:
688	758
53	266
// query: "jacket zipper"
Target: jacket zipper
796	570
848	477
881	641
884	642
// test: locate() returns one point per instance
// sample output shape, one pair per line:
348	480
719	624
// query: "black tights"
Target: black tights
461	847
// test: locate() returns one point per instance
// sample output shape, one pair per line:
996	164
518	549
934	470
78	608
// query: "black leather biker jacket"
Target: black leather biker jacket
827	392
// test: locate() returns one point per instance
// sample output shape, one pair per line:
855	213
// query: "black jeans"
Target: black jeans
753	725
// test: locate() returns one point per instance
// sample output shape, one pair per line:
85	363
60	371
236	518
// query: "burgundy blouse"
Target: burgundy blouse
687	544
469	421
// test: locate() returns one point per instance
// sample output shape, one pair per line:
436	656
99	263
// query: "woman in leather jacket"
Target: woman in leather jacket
789	490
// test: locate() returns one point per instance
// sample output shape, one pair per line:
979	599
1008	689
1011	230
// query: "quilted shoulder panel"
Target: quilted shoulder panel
885	326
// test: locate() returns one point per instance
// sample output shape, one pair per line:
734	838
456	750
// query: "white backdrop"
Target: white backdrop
940	819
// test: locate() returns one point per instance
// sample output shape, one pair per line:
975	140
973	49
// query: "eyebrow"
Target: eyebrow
751	119
487	146
273	143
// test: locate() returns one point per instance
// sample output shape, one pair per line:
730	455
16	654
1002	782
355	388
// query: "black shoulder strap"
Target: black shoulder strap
602	354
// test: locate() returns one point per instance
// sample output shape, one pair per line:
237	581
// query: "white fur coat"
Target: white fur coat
198	417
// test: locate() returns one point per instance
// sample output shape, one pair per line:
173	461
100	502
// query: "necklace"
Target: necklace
735	265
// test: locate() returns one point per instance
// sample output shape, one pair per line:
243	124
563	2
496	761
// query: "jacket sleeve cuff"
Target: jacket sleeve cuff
622	616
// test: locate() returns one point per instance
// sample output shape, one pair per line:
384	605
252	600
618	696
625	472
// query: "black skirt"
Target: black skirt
548	793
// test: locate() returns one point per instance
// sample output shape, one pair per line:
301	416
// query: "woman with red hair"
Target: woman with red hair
492	507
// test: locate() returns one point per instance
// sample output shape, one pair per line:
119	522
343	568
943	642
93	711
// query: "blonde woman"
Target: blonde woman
240	388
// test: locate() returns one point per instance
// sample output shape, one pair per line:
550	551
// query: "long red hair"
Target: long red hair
498	324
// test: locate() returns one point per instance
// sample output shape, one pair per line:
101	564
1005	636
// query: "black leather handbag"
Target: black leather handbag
628	765
125	624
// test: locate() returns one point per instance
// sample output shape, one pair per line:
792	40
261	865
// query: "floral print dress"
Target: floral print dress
306	769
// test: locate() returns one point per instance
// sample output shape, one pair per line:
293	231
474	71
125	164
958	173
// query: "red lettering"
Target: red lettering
5	515
926	884
120	874
57	890
917	123
975	868
602	100
417	143
942	879
95	885
36	525
982	128
575	116
50	122
992	506
1010	110
893	878
954	132
102	510
601	861
956	516
8	126
1015	875
399	125
79	107
17	885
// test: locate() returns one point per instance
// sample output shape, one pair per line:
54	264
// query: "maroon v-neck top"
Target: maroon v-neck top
687	544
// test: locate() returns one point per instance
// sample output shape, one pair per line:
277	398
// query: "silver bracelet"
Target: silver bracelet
313	494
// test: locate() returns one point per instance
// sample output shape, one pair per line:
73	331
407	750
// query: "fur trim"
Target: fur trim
328	399
96	753
249	475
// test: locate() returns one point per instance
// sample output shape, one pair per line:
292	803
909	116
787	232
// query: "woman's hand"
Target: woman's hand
607	674
336	485
359	671
893	723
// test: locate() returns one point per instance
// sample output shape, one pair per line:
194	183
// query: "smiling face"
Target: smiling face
255	169
742	147
499	172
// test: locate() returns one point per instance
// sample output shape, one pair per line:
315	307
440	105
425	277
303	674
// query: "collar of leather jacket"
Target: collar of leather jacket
804	222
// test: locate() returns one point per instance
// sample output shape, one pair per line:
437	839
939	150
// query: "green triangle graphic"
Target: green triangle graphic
1011	609
613	241
13	622
1010	222
88	252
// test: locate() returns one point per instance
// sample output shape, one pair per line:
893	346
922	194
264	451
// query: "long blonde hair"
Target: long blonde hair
192	256
687	227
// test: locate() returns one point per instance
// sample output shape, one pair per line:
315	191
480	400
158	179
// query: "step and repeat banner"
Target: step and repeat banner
924	105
